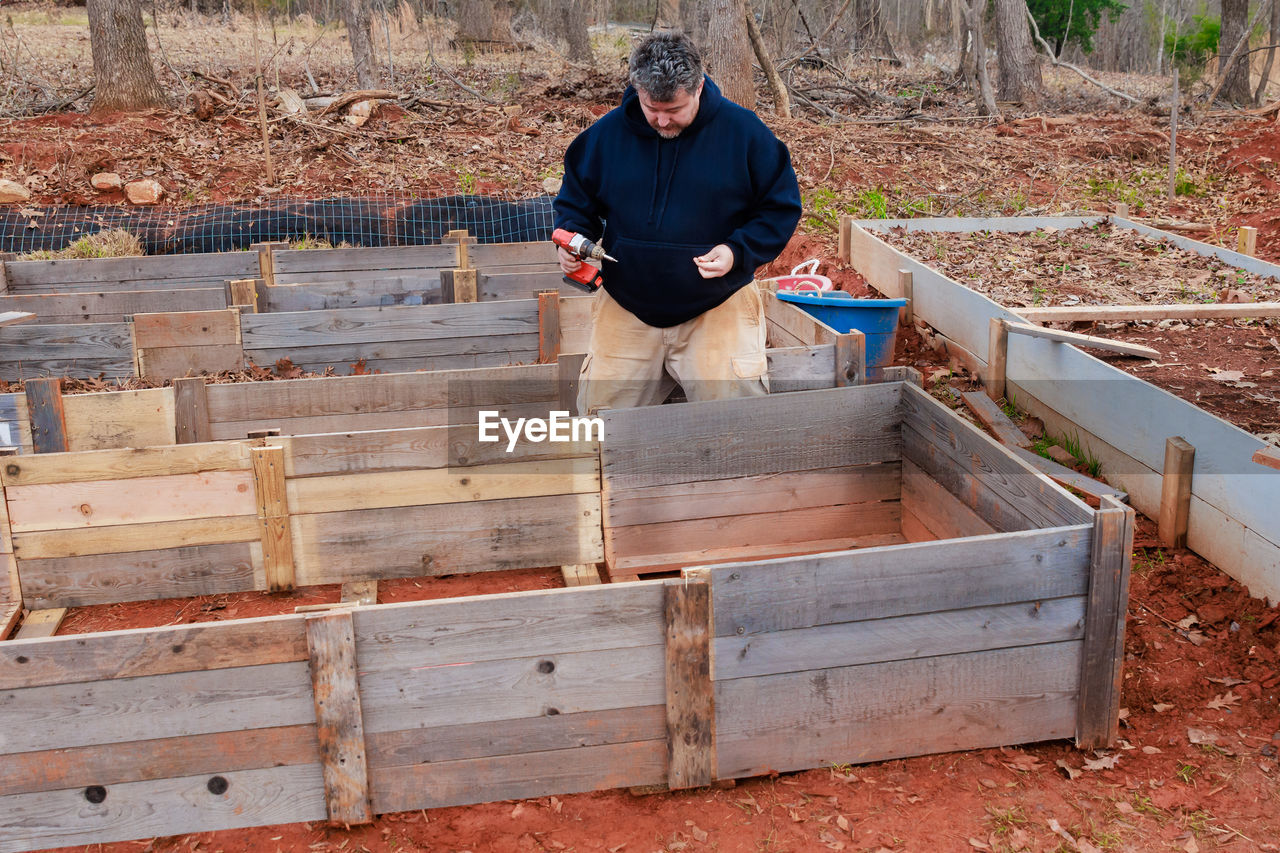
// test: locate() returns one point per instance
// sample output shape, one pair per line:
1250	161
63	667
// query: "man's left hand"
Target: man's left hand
715	263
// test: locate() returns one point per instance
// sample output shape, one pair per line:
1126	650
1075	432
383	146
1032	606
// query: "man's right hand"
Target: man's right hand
569	262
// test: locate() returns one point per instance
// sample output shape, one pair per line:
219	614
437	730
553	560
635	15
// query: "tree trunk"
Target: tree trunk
1261	92
358	19
728	52
869	33
667	15
1019	78
486	21
571	25
1235	18
964	68
124	80
974	11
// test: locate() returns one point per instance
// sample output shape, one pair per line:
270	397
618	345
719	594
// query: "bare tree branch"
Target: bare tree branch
1035	29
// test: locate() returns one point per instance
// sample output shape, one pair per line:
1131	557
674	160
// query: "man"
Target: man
691	193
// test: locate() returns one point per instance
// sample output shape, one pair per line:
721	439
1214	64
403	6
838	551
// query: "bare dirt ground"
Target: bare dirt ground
1196	769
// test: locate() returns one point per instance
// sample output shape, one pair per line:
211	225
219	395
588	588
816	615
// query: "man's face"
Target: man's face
668	118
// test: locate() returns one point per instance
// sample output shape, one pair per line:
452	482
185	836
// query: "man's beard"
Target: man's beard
669	133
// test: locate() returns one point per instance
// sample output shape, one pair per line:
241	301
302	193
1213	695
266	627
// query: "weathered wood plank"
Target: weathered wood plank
626	567
186	329
12	318
135	537
159	271
1184	311
112	306
143	462
990	462
993	418
690	719
487	255
493	286
272	497
996	377
355	364
157	706
447	538
364	260
119	763
76	350
162	808
801	368
1175	492
15	425
1102	662
514	737
140	652
365	422
39	624
191	411
900	638
560	682
138	575
757	494
995	509
142	418
426	354
159	363
566	771
1092	341
738	438
896	709
10	613
392	323
45	414
331	642
585	574
800	592
941	513
548	326
330	291
141	500
797	323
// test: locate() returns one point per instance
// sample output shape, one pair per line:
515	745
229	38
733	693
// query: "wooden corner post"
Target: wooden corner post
1247	240
1102	659
1175	492
844	239
851	359
331	646
48	421
267	260
273	516
191	410
690	706
548	326
997	358
463	283
907	286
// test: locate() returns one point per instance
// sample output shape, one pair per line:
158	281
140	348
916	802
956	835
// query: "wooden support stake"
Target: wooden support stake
267	261
568	376
851	359
273	516
10	613
906	284
902	373
5	257
1175	492
1122	210
583	575
459	286
250	293
690	718
1269	456
997	358
1102	662
331	645
191	410
41	623
993	418
548	326
1079	340
463	241
1247	240
48	422
844	240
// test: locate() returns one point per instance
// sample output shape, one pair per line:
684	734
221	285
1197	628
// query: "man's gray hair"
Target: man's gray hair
665	63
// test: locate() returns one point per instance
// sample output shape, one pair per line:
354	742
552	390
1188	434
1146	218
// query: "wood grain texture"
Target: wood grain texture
121	465
941	513
548	327
39	624
900	638
488	255
112	306
272	498
739	438
135	537
156	706
115	419
191	411
514	737
1069	477
394	323
1189	311
161	808
156	271
329	291
138	575
172	362
1175	492
148	760
138	652
801	368
542	774
519	533
364	260
186	329
996	376
874	583
1091	341
889	710
1102	664
993	418
331	643
496	286
44	413
690	716
624	567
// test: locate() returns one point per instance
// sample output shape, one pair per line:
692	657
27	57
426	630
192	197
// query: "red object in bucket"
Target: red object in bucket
801	281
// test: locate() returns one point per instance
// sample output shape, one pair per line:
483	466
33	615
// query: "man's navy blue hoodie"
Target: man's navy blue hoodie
662	202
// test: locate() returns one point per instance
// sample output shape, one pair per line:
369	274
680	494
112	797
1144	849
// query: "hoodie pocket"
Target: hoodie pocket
659	265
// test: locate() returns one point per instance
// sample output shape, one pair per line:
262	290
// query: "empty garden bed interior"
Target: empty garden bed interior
1010	633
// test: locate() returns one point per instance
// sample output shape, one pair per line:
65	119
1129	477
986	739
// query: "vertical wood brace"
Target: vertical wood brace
907	286
251	293
851	359
1122	210
567	376
1102	662
1175	492
331	645
690	706
5	257
997	358
1247	240
463	241
267	261
548	326
459	286
844	239
273	516
48	422
191	410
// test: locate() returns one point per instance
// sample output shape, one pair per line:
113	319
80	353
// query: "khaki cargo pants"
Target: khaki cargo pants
716	356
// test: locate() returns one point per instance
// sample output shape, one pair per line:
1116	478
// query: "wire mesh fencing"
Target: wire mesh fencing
381	219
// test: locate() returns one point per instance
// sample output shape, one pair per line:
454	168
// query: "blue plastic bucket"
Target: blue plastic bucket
877	319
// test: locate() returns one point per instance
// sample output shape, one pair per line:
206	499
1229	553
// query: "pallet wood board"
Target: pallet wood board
112	306
940	512
74	350
336	291
363	260
142	418
299	329
160	272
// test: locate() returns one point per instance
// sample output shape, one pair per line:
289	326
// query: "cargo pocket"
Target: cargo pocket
750	366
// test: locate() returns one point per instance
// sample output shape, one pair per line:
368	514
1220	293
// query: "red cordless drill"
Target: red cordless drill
585	277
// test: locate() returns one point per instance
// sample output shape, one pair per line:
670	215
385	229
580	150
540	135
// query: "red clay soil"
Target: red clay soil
1195	770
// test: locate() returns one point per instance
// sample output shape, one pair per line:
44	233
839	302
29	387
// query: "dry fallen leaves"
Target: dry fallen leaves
1106	762
1072	773
1223	700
